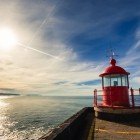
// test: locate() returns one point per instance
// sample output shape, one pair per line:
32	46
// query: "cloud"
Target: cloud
92	82
8	90
131	61
60	29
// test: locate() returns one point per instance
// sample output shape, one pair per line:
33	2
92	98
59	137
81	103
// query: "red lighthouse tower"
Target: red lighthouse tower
115	101
115	85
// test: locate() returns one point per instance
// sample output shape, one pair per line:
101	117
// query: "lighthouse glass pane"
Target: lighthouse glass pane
115	80
106	81
119	80
124	80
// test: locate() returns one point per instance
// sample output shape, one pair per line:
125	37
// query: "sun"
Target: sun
8	39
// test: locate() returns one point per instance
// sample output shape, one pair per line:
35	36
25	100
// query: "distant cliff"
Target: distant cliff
9	94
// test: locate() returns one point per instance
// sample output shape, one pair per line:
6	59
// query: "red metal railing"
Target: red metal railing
95	97
134	97
133	94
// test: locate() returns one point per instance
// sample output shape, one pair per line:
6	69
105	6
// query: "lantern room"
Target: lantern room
115	85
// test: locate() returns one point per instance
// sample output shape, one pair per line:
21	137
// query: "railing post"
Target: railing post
95	97
132	96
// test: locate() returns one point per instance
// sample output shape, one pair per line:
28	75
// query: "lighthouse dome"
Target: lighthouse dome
113	69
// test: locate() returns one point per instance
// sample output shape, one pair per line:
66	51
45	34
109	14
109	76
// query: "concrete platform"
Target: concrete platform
117	113
85	126
107	130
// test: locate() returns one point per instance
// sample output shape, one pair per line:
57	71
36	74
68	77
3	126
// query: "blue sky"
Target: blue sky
78	33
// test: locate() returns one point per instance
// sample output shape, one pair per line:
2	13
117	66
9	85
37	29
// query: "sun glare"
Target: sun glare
7	39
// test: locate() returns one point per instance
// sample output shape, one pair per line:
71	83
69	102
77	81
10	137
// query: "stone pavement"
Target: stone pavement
106	130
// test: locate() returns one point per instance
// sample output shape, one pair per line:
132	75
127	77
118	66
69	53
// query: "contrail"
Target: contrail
45	21
28	47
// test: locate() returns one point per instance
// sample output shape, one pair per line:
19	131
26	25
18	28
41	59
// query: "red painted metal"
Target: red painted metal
132	96
95	97
115	95
115	89
113	69
99	102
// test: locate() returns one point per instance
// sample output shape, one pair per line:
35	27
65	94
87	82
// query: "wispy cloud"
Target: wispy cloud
51	31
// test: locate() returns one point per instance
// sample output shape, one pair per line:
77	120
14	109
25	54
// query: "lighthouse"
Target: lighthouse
115	100
115	85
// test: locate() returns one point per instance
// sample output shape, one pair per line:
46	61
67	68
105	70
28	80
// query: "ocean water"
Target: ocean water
30	117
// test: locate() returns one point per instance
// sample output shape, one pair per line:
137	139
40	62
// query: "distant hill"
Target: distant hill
9	94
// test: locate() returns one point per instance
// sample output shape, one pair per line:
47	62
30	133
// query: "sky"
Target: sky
63	44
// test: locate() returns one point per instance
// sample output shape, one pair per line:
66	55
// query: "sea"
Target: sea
30	117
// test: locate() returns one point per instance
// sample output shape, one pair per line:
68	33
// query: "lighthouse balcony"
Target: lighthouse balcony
108	107
105	98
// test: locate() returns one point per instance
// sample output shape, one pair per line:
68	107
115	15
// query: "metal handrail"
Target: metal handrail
132	94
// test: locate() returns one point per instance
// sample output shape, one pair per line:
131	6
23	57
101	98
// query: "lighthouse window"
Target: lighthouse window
106	81
124	80
115	80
